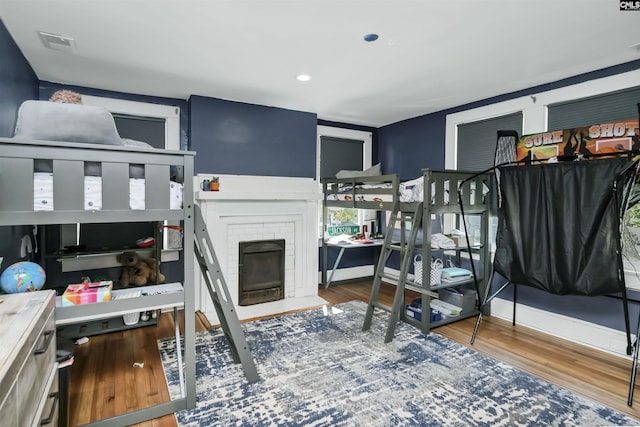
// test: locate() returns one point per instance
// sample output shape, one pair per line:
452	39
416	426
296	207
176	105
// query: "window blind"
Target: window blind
619	105
477	140
146	129
338	154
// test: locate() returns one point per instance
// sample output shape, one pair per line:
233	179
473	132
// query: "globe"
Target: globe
23	276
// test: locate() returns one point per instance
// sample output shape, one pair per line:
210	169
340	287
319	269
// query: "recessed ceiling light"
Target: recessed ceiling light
370	37
303	77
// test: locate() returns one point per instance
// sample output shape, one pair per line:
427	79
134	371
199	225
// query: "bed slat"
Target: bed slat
16	185
68	185
115	179
156	187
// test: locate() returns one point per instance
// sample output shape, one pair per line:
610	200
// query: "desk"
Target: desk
342	247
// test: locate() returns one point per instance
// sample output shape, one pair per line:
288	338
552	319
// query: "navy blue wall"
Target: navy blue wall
18	83
409	146
246	139
605	310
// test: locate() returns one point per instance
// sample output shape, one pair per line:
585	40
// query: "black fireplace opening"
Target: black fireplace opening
261	272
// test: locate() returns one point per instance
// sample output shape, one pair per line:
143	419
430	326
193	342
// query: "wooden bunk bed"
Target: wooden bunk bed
448	193
17	207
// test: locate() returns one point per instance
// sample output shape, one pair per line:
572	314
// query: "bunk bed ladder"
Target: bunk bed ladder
405	247
214	279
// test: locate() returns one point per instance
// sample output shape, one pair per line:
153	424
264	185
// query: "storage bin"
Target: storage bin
416	313
415	310
464	298
131	318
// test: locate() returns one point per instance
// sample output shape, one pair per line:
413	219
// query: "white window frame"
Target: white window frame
169	113
335	132
367	149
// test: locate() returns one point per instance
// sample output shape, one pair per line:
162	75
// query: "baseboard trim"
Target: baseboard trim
349	273
579	331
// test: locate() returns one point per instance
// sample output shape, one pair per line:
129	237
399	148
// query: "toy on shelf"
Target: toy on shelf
138	271
87	293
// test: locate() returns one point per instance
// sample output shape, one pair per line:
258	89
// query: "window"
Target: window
606	107
143	121
148	129
477	140
342	149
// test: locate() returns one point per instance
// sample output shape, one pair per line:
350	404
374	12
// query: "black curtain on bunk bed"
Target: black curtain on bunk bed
558	226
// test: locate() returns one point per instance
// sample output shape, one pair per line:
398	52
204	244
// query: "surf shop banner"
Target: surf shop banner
599	138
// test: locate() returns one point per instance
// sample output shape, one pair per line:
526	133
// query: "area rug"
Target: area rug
318	368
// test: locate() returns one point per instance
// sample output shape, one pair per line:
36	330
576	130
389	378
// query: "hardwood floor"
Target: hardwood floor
104	382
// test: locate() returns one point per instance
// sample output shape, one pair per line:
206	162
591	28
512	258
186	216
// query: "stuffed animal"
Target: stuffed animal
138	271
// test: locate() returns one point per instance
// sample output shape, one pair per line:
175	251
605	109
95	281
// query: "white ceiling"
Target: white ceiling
431	54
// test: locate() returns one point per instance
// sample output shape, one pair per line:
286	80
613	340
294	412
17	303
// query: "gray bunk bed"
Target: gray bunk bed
68	162
440	193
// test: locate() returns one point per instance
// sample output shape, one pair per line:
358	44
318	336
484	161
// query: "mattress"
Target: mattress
43	193
410	191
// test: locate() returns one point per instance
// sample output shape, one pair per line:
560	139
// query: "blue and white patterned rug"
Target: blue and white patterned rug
318	368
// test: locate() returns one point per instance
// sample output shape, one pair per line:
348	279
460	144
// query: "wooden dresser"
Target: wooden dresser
28	369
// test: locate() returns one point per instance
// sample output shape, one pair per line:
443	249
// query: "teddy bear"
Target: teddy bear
137	270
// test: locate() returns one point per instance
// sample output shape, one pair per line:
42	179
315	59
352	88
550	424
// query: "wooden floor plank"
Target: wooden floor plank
103	379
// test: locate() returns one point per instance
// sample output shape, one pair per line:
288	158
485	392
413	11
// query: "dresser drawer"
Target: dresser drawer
28	368
32	379
49	407
9	406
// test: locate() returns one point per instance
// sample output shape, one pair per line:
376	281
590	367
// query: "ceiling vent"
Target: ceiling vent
57	42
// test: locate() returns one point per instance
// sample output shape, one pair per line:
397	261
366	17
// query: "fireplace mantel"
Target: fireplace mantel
250	187
260	207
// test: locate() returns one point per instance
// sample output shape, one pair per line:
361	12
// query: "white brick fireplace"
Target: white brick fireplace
249	208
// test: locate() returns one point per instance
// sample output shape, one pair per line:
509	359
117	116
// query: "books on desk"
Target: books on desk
345	239
340	239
